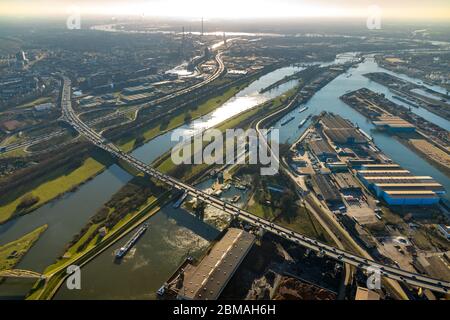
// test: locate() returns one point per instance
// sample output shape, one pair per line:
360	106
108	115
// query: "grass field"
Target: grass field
11	253
60	182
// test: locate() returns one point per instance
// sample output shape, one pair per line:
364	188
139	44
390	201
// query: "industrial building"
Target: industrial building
337	166
325	189
342	136
399	187
383	173
380	166
346	182
393	124
366	294
207	280
137	98
138	89
341	131
322	150
444	230
333	121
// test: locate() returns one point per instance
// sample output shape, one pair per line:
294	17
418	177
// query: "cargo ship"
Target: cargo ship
287	121
130	243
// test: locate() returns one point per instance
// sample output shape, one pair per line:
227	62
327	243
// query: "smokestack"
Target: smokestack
202	26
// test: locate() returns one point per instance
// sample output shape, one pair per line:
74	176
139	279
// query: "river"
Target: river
99	286
67	215
173	234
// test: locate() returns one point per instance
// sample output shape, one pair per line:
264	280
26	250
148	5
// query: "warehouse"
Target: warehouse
207	280
400	187
326	190
410	198
382	173
342	136
332	121
322	150
399	179
432	186
346	182
380	166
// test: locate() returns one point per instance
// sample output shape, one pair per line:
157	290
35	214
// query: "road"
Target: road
413	279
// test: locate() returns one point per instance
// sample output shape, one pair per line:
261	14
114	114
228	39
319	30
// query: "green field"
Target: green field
11	253
60	182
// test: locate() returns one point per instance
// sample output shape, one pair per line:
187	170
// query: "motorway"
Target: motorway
31	141
413	279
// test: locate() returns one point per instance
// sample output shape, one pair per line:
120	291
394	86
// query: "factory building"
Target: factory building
399	187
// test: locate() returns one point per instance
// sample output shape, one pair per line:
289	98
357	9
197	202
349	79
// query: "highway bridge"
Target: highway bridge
394	273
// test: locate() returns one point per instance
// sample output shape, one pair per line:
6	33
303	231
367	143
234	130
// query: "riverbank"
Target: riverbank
56	273
50	187
12	252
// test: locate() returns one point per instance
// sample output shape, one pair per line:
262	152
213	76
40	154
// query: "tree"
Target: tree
27	201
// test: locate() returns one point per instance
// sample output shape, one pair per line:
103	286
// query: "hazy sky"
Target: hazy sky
402	9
